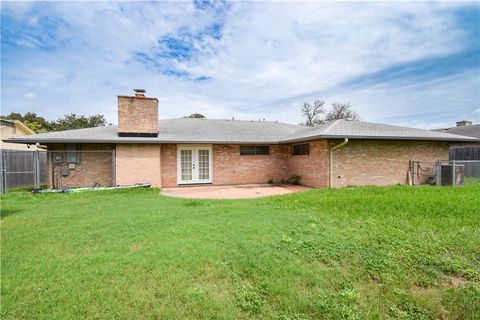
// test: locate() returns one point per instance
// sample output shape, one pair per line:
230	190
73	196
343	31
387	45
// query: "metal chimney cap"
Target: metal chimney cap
139	93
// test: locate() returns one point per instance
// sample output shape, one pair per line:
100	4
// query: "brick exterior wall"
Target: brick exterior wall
137	115
229	167
381	162
313	168
169	165
360	162
92	168
138	163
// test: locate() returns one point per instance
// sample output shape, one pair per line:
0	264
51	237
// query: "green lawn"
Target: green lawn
356	253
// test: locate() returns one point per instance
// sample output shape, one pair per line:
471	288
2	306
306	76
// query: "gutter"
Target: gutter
330	162
397	138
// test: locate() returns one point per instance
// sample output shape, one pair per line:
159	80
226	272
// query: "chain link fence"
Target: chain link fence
471	170
445	172
57	169
21	170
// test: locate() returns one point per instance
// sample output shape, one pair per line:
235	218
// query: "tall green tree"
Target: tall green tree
74	121
69	121
32	120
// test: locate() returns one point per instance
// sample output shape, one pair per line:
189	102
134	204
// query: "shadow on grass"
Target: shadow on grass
8	212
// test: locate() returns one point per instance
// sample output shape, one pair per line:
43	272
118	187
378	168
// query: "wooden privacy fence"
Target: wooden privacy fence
464	153
22	169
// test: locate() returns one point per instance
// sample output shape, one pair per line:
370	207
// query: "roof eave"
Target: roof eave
364	137
141	141
251	142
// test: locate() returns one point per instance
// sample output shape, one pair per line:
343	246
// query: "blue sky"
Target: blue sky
406	63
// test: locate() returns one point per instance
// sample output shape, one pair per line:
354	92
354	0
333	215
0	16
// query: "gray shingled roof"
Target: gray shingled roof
469	131
370	130
186	130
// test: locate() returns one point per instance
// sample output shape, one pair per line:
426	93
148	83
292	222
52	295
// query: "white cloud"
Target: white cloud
31	95
271	57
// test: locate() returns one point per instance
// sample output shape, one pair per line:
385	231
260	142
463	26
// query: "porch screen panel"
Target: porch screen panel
203	164
186	164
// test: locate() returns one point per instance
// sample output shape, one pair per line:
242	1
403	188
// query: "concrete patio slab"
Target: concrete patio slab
231	192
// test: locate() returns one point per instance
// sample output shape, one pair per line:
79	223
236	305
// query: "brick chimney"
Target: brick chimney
464	123
137	115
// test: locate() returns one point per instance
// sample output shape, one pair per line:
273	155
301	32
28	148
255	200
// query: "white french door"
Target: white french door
194	164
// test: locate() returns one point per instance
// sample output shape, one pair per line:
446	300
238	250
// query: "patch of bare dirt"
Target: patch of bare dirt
139	245
456	281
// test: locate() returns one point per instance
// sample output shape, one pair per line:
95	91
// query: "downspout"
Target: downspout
330	162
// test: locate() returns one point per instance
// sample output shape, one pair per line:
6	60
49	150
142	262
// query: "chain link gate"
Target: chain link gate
444	172
422	172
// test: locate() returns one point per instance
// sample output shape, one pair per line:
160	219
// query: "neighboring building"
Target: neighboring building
186	151
14	129
463	128
464	150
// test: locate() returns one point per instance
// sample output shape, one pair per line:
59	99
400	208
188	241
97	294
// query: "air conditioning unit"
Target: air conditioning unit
447	177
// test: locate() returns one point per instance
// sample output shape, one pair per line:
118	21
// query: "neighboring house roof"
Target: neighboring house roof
187	130
14	129
17	123
469	131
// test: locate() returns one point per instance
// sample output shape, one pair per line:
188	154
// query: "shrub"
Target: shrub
295	180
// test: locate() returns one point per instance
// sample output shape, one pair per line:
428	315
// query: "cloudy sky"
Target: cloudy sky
407	63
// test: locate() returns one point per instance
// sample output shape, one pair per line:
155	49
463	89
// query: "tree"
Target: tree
313	112
196	116
73	121
341	111
32	120
69	121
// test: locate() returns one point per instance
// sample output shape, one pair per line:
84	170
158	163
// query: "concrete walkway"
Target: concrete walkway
231	192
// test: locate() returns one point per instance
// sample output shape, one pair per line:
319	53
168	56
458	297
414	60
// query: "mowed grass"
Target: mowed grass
356	253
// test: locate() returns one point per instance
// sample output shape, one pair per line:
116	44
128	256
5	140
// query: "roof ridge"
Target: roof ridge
331	124
230	120
218	119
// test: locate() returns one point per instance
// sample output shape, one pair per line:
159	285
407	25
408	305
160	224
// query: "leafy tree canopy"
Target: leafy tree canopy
69	121
196	116
74	121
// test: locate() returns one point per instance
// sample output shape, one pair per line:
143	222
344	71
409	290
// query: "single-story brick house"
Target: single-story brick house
186	151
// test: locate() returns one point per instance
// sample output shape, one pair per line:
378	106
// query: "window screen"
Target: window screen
254	150
71	153
300	149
